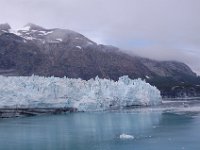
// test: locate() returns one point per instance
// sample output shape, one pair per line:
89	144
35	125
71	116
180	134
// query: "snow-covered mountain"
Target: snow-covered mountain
61	52
40	34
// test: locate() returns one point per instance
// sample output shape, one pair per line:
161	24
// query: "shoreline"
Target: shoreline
26	112
181	98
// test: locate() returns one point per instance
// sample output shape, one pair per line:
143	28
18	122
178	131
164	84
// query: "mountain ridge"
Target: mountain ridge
61	52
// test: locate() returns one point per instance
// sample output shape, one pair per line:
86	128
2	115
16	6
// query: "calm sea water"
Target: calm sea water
152	130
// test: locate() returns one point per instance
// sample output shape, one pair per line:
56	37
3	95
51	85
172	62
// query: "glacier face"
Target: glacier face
92	95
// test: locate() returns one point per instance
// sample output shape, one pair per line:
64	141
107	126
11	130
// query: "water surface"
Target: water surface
152	130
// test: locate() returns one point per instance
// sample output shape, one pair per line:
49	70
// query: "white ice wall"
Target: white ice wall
94	94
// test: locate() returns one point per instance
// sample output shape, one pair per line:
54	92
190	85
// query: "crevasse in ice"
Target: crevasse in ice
94	94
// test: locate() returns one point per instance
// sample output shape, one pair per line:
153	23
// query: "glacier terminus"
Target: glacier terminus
92	95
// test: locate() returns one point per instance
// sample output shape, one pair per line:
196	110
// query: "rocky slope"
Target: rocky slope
60	52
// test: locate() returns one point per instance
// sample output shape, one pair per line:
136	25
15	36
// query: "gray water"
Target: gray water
152	130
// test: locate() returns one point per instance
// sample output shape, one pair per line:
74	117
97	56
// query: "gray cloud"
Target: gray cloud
159	29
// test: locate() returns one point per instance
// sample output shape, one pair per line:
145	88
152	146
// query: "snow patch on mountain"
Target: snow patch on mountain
42	35
79	47
147	77
92	95
4	31
25	28
14	32
60	40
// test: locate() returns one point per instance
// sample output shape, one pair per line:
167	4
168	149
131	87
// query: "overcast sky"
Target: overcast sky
159	29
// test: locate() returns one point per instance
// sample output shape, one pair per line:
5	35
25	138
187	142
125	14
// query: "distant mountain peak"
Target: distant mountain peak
32	26
5	27
55	35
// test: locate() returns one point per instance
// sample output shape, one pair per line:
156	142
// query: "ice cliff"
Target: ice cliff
94	94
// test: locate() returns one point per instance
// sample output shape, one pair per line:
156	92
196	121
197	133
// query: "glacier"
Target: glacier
92	95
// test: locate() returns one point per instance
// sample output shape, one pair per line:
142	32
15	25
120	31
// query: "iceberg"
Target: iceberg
92	95
126	136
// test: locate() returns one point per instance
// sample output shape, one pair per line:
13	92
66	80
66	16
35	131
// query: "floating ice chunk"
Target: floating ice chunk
126	136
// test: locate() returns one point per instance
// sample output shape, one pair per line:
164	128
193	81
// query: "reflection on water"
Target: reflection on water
151	129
